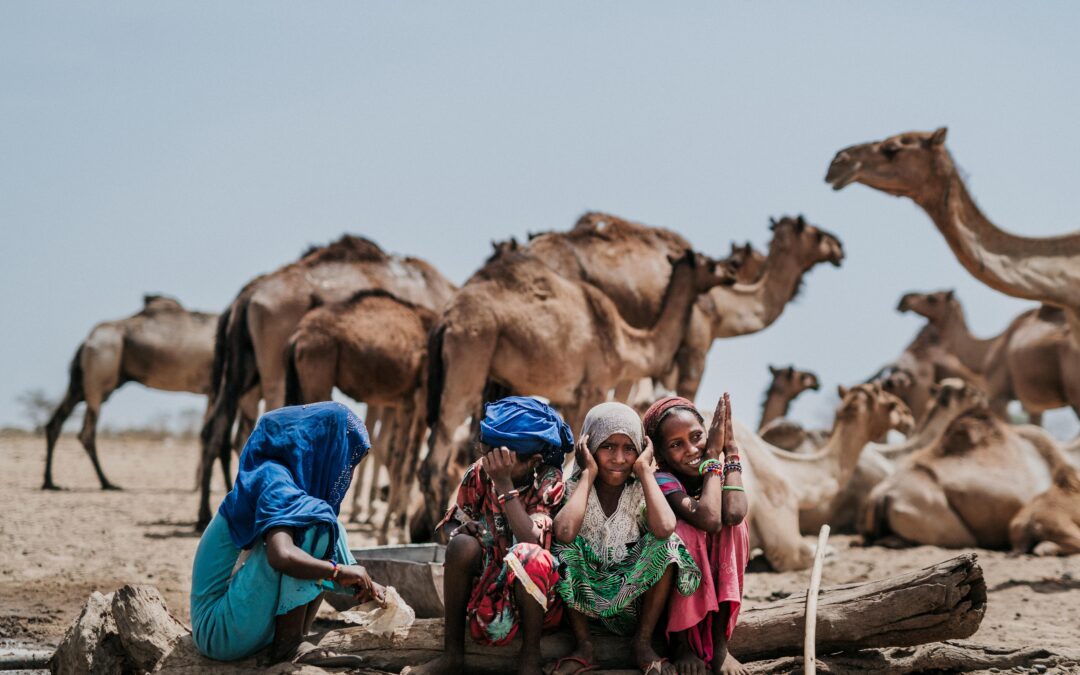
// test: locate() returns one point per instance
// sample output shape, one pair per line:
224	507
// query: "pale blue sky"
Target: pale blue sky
184	147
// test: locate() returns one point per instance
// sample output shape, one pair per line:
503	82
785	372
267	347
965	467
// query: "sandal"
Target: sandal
585	665
657	665
327	658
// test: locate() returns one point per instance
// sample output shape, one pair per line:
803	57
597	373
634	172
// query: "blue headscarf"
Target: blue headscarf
527	427
294	471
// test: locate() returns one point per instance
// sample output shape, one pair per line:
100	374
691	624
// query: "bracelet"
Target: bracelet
333	577
732	466
733	457
737	488
709	465
508	496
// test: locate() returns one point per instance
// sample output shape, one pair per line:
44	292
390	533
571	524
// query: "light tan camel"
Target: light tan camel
918	166
952	397
523	325
1050	523
796	247
373	348
163	346
964	489
265	313
787	384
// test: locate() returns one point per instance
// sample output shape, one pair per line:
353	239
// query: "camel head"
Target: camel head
937	306
814	244
793	381
956	396
750	261
708	272
879	409
900	165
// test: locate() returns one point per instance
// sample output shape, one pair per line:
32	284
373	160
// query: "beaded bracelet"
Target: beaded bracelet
709	465
333	577
732	466
508	496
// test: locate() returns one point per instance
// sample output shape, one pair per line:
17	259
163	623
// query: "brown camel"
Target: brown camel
918	166
964	489
795	248
373	348
163	346
523	325
1034	360
258	323
749	261
1050	523
787	384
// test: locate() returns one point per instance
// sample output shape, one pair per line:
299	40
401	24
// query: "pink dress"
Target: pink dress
722	558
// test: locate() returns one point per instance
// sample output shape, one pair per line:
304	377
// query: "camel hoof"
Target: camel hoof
110	486
49	485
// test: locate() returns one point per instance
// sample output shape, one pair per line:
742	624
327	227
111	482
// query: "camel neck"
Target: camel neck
849	436
959	340
1037	268
748	308
776	405
660	343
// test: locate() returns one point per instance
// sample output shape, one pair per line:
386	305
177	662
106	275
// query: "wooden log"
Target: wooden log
941	602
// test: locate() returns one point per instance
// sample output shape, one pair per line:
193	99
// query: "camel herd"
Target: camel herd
613	308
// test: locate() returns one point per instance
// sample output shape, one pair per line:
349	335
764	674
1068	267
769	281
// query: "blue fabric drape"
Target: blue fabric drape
527	427
294	471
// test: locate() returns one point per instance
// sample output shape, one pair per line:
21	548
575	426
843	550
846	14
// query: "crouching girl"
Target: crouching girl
615	539
499	574
707	496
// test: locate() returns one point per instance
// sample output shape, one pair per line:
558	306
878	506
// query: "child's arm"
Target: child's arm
734	504
707	513
660	517
567	523
498	464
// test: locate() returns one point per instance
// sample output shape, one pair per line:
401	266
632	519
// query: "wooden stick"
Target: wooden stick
810	637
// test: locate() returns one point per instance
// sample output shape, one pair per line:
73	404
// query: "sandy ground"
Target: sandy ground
59	546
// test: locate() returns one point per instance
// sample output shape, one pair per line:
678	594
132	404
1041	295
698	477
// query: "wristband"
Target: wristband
736	488
333	577
709	465
508	496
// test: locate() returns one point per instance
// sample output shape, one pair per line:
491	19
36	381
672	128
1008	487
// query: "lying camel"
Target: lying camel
163	346
964	489
373	348
1050	523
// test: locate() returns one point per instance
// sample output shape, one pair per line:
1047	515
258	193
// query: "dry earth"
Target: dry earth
59	546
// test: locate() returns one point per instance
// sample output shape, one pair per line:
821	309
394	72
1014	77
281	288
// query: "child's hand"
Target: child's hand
471	528
646	460
584	459
498	465
719	428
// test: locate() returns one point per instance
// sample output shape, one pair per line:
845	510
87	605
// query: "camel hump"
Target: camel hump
350	248
156	301
968	432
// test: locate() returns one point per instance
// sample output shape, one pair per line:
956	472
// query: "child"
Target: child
707	496
615	538
499	573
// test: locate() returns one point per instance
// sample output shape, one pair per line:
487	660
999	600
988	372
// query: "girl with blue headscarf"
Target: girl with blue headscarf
276	544
499	574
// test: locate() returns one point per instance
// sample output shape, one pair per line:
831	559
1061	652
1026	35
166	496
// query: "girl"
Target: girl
276	544
499	575
615	538
707	496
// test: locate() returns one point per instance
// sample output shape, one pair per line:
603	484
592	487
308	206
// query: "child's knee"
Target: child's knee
463	549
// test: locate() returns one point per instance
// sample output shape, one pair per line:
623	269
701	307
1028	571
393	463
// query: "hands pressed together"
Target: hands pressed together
721	438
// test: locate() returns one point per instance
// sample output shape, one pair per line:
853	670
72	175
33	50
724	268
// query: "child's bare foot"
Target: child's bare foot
684	659
448	664
650	662
582	660
730	666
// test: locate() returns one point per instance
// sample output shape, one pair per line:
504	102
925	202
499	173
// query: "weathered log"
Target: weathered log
146	629
944	601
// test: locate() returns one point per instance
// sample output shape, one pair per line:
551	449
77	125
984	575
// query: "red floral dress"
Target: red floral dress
492	614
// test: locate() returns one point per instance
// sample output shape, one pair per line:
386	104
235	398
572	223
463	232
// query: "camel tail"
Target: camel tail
294	394
436	374
238	375
217	370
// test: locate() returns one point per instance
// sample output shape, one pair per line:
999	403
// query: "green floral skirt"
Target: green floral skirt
612	593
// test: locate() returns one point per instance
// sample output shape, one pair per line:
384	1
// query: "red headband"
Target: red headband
651	419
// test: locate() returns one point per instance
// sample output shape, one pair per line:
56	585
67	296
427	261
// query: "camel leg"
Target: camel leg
395	464
918	511
385	418
88	437
624	391
73	397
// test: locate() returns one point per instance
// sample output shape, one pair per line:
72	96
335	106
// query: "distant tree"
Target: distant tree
37	406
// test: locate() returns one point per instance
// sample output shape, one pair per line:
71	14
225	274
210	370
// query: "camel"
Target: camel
796	247
964	489
373	348
787	384
1050	523
918	166
523	325
163	346
259	322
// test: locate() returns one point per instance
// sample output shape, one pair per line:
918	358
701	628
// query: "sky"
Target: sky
185	147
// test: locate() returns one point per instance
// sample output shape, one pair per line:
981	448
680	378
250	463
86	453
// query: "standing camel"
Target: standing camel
787	384
373	348
918	166
163	346
523	325
267	310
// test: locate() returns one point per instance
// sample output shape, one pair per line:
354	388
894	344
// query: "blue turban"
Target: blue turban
294	471
528	427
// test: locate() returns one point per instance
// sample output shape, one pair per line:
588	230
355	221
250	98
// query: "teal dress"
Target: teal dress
232	614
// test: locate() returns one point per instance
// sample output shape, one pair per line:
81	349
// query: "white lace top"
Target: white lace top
609	536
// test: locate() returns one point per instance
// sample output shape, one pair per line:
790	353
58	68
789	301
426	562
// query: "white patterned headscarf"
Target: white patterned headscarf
607	419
